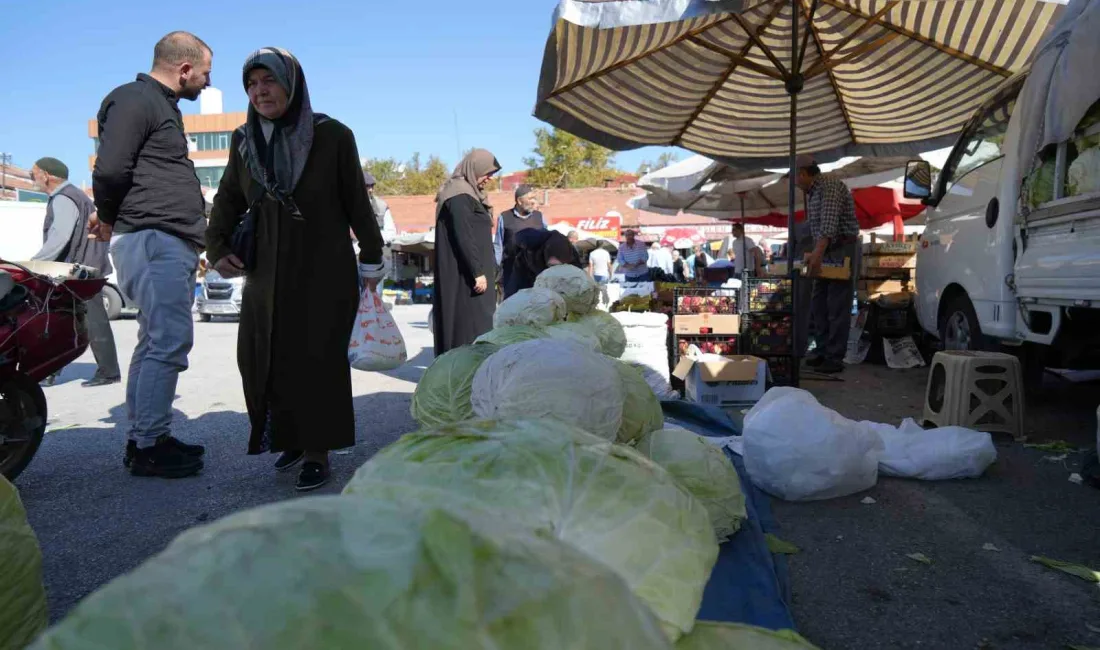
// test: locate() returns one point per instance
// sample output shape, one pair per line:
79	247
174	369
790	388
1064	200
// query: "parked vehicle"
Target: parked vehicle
219	296
42	330
21	223
1011	253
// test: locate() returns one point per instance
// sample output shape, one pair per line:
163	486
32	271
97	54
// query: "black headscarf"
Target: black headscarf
277	164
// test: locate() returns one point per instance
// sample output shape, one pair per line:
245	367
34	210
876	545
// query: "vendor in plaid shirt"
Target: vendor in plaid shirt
831	213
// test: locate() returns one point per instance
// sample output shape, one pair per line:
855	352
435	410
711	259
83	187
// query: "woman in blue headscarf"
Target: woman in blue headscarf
299	175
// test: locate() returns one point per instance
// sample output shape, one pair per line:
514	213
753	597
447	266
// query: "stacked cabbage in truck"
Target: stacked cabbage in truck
1011	252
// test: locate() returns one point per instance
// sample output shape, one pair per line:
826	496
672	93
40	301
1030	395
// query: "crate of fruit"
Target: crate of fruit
769	295
766	334
702	300
708	344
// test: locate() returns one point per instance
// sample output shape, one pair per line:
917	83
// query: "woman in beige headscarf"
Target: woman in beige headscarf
465	264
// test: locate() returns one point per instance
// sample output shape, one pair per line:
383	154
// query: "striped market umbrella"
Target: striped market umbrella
754	82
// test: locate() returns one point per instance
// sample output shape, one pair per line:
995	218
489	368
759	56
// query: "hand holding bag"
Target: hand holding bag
242	243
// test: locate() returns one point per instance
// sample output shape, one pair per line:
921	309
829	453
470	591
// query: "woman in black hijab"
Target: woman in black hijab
536	251
465	263
298	173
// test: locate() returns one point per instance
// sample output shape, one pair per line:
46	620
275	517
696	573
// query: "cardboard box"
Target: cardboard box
723	381
887	274
871	289
834	272
879	246
706	324
890	262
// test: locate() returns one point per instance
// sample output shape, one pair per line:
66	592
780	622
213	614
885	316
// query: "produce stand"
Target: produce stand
884	292
748	583
768	327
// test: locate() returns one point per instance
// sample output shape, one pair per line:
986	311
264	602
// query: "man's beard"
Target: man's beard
190	94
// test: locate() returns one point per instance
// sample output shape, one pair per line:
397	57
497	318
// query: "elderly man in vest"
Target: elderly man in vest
65	239
522	217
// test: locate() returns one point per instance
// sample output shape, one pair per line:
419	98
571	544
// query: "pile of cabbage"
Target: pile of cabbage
542	505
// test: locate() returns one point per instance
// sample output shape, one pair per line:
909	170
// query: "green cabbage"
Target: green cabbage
704	470
443	394
709	635
607	329
551	379
22	597
334	572
510	334
641	409
566	331
536	306
605	499
581	293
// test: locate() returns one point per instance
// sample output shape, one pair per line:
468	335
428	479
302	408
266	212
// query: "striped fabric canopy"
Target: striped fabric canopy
881	77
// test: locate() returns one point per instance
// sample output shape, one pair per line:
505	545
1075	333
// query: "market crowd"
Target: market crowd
292	191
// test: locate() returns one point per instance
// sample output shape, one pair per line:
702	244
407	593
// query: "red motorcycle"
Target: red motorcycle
42	330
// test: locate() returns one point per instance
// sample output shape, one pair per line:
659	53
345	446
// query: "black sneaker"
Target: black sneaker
196	451
313	476
831	367
288	459
166	459
101	381
815	360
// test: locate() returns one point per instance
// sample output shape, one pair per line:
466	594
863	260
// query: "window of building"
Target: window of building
96	141
218	141
209	176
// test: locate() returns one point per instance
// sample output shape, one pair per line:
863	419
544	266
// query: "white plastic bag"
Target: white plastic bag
376	342
798	450
646	340
934	454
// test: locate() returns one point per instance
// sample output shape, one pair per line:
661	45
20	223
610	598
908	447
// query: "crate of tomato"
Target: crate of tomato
708	344
701	300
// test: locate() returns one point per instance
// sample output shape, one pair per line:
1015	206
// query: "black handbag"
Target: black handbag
242	242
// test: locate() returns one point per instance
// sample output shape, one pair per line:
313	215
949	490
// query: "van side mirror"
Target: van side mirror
918	179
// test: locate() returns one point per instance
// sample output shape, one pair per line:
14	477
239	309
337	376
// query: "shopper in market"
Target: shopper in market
697	264
536	251
831	214
633	258
463	301
740	245
522	216
299	175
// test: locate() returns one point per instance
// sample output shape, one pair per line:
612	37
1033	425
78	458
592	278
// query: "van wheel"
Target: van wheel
112	302
959	328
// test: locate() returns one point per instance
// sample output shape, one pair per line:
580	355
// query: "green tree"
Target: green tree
563	160
395	178
664	160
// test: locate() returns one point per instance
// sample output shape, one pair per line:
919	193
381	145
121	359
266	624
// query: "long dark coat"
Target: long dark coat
300	302
463	251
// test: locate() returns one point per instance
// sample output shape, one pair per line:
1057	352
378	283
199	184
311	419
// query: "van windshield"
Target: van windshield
983	139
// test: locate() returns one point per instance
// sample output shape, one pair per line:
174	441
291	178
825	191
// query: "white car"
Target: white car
219	296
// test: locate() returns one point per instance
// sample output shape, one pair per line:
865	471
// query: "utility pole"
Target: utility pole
5	160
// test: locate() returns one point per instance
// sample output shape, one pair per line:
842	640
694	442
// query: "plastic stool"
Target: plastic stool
977	390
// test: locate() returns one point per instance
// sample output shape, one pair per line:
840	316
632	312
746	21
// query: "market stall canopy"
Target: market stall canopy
876	78
421	243
730	193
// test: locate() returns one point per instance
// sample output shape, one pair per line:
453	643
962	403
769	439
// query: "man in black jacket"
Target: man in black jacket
150	207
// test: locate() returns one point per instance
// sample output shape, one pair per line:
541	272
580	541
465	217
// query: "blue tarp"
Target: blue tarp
748	584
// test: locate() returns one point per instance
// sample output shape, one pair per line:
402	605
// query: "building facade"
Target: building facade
208	136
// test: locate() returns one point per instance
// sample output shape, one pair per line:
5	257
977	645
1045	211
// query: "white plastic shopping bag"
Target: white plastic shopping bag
798	450
934	454
376	342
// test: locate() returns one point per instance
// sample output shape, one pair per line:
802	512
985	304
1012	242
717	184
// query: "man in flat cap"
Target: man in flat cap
65	239
523	216
831	214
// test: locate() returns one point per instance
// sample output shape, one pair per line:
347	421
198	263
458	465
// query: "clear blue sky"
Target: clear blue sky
395	72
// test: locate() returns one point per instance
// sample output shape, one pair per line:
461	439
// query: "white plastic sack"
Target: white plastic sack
798	450
934	454
376	342
646	340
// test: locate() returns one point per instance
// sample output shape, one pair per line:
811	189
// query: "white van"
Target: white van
1011	252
